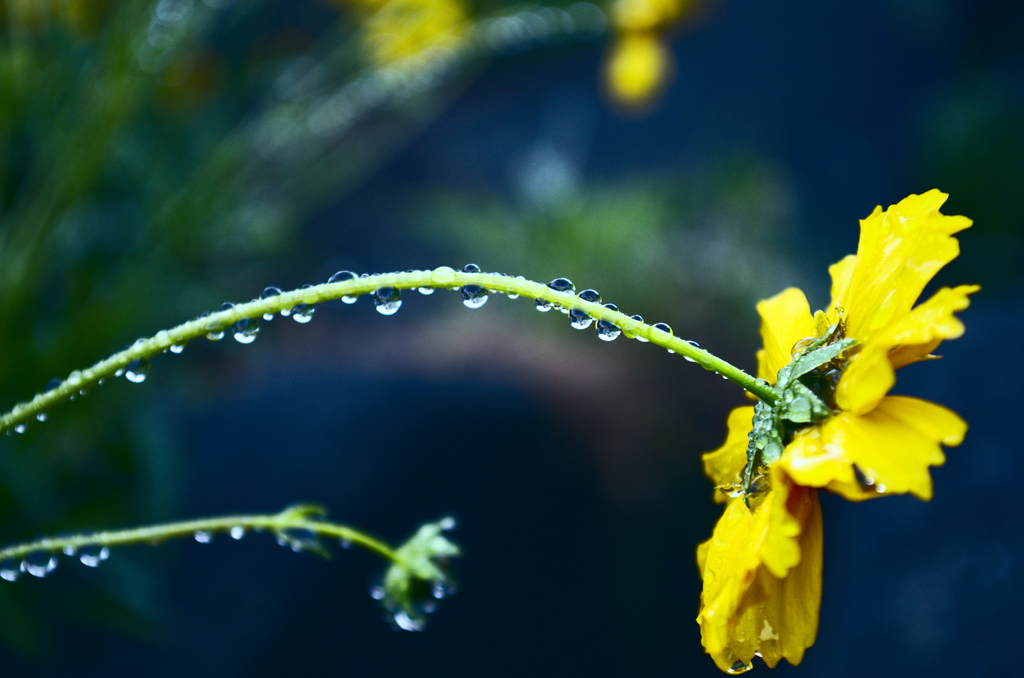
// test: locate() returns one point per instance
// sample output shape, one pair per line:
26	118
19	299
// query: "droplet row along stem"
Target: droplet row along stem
442	277
294	518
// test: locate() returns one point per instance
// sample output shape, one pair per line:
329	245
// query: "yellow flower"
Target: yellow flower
762	566
640	62
637	68
397	32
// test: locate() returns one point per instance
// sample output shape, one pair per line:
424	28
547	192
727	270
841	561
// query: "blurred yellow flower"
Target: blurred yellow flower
397	30
762	566
640	63
637	68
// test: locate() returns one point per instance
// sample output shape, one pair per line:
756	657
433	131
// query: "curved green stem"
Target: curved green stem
303	517
443	277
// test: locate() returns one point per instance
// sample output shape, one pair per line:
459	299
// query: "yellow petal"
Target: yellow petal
725	464
842	274
920	331
783	622
762	577
866	381
899	252
785	319
893	446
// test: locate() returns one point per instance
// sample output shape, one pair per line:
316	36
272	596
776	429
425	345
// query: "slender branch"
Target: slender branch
215	324
305	518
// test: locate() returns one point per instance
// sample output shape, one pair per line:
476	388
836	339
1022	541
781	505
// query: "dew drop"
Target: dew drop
176	349
731	490
862	479
42	416
439	591
579	319
70	550
663	327
269	293
52	384
342	276
739	666
345	543
387	300
426	291
299	540
562	285
636	333
543	305
20	428
245	330
473	296
39	564
215	328
448	523
303	313
203	536
92	556
759	484
137	370
695	345
237	532
801	346
608	331
10	570
407	623
442	275
377	592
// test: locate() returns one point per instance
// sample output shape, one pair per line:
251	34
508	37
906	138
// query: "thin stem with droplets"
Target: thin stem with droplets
305	518
242	317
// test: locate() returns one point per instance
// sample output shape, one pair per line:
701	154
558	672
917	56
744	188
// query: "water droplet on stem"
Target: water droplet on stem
608	331
92	556
10	570
39	564
245	330
137	370
387	300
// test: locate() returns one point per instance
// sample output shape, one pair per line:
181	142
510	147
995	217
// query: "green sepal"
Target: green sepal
796	403
801	405
817	356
